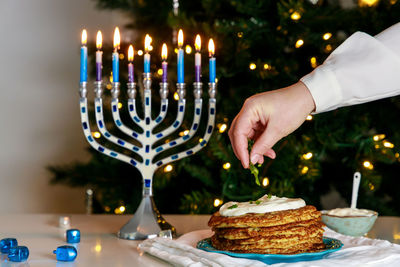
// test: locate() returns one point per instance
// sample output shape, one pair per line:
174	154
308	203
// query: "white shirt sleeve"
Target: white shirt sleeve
362	69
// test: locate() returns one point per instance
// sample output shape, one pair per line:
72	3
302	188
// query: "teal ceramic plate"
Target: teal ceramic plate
331	246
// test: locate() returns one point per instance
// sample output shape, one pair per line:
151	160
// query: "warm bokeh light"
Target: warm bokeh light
313	62
371	186
240	34
309	117
295	16
140	52
379	137
197	43
304	170
168	168
299	43
328	48
119	210
97	248
327	36
217	202
252	66
367	164
117	38
200	140
147	43
222	128
84	37
99	40
130	53
188	49
267	67
119	105
96	134
160	72
307	155
265	182
211	47
176	96
368	3
388	144
164	51
226	166
180	38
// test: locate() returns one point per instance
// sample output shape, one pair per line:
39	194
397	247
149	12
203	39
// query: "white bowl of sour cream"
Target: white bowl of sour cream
350	221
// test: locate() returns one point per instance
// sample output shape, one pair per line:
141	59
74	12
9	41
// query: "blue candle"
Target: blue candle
84	58
181	63
115	56
211	51
146	63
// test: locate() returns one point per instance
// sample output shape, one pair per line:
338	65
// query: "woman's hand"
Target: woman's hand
268	117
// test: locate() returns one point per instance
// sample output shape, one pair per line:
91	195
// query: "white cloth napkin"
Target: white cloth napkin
357	251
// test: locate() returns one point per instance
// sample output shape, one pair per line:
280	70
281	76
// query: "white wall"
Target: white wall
39	75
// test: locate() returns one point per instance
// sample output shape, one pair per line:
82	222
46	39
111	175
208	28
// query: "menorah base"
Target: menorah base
147	222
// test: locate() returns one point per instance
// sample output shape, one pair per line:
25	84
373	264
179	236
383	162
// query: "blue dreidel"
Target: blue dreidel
65	253
7	243
73	236
18	254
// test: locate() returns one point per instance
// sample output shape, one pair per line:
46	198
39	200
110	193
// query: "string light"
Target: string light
252	66
121	56
168	168
379	137
185	132
299	43
160	72
307	156
328	48
240	34
96	134
388	144
267	67
368	165
217	202
119	105
140	52
119	210
108	86
327	36
304	170
188	49
176	96
295	16
265	182
309	117
226	166
313	62
222	128
371	186
200	140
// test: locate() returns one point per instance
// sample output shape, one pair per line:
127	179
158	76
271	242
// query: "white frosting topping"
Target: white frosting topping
341	212
262	205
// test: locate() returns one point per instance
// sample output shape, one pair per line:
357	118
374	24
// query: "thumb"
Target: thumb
264	144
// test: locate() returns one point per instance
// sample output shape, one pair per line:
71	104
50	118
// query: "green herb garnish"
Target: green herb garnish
251	202
255	172
258	202
233	206
269	195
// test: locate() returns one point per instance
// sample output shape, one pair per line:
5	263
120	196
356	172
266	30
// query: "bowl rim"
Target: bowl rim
375	214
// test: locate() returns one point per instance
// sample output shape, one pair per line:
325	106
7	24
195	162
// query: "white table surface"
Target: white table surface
99	244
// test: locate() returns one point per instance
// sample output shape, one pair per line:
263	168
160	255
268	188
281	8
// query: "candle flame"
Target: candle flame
164	52
147	43
99	40
211	47
197	43
180	38
117	38
130	53
84	37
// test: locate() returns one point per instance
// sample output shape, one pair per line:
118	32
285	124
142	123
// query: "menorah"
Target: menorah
147	221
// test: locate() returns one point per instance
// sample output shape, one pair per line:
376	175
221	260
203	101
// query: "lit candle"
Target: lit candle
147	42
115	56
211	51
164	64
84	58
131	77
99	55
197	60
181	64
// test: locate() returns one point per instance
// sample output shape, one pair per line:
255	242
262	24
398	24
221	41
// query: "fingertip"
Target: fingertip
271	154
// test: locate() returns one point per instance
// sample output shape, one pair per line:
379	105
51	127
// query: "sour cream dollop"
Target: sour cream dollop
262	205
341	212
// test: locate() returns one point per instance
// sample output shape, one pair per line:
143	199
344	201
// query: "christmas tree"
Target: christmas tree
261	45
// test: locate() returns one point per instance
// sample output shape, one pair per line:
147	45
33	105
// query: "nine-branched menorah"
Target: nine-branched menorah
147	221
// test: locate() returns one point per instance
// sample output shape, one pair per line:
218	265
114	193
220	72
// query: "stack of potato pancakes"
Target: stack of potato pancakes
280	232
